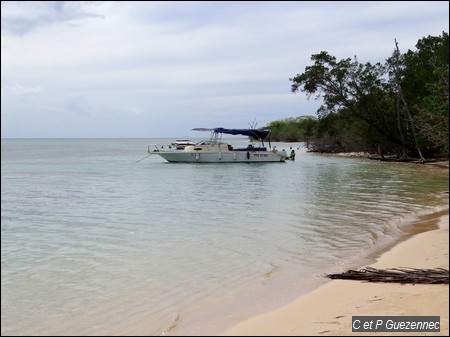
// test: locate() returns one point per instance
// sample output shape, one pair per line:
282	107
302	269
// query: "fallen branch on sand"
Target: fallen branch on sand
396	275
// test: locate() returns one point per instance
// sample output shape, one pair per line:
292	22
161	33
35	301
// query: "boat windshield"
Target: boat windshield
207	142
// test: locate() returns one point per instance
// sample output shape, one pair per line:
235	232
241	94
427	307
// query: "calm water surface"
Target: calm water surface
95	243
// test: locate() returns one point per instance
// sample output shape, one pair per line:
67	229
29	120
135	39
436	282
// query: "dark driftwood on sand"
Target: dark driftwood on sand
396	275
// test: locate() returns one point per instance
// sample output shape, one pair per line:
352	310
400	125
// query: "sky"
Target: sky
145	69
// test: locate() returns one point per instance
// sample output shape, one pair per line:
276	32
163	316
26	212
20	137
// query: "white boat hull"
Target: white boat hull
221	157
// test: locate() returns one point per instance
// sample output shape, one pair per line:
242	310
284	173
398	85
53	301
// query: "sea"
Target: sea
99	239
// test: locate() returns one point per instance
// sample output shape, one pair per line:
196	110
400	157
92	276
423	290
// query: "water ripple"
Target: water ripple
88	235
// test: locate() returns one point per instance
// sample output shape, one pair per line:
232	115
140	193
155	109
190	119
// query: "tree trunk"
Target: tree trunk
405	105
404	155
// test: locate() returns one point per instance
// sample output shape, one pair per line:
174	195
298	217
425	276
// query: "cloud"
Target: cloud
155	66
19	90
76	105
22	17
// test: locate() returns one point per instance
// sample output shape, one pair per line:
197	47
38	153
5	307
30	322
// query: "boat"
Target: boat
180	144
213	150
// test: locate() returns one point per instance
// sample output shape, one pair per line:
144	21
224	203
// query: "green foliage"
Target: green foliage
401	105
432	116
293	130
425	80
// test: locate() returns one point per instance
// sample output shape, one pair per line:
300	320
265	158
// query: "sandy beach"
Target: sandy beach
328	310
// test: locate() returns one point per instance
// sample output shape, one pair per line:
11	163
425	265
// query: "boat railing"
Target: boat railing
159	148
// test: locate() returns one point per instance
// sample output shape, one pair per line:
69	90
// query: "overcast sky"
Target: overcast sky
159	69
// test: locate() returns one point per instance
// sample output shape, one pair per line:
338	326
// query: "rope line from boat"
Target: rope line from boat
144	158
150	153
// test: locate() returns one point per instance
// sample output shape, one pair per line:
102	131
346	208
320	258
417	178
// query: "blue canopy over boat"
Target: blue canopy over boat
255	134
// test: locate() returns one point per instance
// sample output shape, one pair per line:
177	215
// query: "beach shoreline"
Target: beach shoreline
328	310
251	320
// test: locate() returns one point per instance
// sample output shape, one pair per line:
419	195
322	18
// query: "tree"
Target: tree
405	112
425	84
402	104
359	88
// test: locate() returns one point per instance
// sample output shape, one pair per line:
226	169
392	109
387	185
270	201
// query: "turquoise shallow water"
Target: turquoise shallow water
96	243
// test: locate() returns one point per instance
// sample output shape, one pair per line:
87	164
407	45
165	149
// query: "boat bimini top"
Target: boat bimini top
216	133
